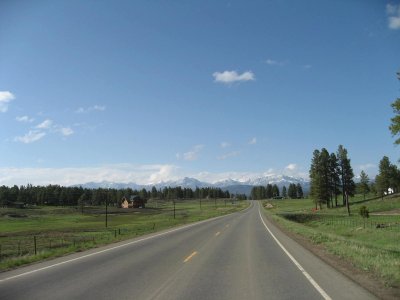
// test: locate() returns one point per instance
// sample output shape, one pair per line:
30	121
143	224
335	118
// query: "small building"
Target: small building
133	202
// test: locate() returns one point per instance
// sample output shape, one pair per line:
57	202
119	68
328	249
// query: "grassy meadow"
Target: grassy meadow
55	231
371	244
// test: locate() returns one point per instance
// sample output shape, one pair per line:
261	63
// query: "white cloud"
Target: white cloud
46	124
233	76
291	167
96	107
30	137
225	144
39	131
393	12
25	119
253	141
165	173
228	155
5	98
66	131
272	62
121	173
193	154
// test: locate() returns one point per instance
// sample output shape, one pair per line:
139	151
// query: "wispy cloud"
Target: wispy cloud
30	137
291	167
273	62
232	76
25	119
253	141
39	131
393	12
46	124
193	154
225	144
82	110
228	155
5	98
65	131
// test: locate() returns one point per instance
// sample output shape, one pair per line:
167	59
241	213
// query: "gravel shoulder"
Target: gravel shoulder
363	278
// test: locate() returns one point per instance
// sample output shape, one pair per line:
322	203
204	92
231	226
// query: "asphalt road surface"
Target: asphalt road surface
239	256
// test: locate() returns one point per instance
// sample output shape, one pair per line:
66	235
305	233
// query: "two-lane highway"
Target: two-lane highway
239	256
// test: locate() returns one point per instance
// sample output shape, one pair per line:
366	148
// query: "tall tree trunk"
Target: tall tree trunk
347	204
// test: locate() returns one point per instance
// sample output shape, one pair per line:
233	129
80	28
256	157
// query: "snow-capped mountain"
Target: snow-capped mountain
233	186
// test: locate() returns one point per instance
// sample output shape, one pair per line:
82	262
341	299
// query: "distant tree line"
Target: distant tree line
272	191
71	196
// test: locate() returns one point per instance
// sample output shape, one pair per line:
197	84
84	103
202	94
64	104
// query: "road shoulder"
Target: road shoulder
362	278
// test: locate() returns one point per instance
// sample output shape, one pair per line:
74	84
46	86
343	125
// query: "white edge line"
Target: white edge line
305	273
119	246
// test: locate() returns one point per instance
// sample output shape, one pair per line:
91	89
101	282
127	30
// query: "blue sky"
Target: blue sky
150	91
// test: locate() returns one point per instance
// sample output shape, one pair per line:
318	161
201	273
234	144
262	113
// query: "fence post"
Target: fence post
34	242
115	233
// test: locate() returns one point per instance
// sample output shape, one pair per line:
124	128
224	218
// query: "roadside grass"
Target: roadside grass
371	244
56	231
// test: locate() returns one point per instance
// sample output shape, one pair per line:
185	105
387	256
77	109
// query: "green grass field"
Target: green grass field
57	231
371	244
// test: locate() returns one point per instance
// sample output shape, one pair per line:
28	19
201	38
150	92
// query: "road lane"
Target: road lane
233	257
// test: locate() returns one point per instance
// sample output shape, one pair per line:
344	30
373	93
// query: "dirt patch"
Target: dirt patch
14	215
367	280
393	212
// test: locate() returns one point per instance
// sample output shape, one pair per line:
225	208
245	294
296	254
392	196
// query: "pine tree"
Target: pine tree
284	192
346	176
395	125
334	177
364	180
269	193
275	191
319	175
299	191
388	177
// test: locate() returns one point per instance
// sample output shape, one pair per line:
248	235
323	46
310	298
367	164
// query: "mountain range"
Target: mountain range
233	186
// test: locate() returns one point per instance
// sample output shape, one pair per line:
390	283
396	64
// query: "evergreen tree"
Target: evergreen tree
268	193
275	191
334	178
284	192
292	191
346	176
395	125
364	180
388	177
299	191
319	177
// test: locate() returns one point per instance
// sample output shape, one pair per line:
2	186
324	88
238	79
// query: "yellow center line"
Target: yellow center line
190	256
218	233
